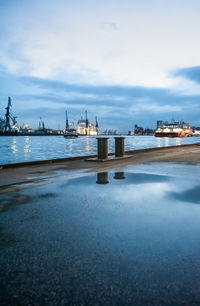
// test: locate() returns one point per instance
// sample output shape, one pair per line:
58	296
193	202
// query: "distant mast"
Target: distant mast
7	115
97	126
67	122
86	123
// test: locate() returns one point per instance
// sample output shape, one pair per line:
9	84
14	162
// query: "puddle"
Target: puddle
190	195
129	236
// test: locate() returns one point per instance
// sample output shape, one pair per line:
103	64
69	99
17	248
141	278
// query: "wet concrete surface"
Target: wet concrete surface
134	240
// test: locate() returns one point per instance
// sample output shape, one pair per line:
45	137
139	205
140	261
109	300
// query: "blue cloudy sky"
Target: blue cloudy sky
126	61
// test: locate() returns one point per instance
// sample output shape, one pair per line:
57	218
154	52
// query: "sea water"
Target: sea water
31	148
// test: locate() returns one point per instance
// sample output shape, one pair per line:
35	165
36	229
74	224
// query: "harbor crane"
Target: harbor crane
8	116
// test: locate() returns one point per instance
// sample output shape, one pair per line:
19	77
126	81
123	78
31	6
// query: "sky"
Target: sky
125	61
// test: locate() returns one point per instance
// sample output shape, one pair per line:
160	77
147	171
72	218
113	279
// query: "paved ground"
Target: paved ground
66	240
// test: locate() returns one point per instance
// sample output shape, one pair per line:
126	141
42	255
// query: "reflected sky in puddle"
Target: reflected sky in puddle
191	195
125	237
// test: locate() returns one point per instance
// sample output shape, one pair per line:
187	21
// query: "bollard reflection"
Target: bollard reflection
119	176
102	178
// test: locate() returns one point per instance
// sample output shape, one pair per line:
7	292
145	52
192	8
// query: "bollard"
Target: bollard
119	176
119	146
102	148
102	178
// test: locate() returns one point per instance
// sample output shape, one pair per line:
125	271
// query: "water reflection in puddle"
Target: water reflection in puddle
135	178
123	237
191	195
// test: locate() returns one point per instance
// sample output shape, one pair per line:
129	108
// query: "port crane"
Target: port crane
8	116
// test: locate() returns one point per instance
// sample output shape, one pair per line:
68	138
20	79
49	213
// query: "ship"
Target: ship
82	128
174	129
70	133
85	128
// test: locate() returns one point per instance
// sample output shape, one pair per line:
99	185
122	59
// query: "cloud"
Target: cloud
108	90
118	94
117	106
112	58
66	40
190	73
111	25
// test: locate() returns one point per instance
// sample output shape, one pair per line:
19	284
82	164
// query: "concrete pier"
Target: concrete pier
119	146
102	147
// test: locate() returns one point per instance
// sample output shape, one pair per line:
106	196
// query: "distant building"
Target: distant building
140	131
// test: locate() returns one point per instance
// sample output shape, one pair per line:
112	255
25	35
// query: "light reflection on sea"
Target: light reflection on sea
27	149
24	148
14	145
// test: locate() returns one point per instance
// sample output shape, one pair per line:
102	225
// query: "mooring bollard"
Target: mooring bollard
102	178
102	148
119	176
119	146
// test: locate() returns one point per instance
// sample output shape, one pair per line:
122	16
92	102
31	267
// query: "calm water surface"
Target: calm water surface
132	241
24	148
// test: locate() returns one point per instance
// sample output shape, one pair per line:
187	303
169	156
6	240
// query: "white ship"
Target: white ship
174	129
85	128
82	128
